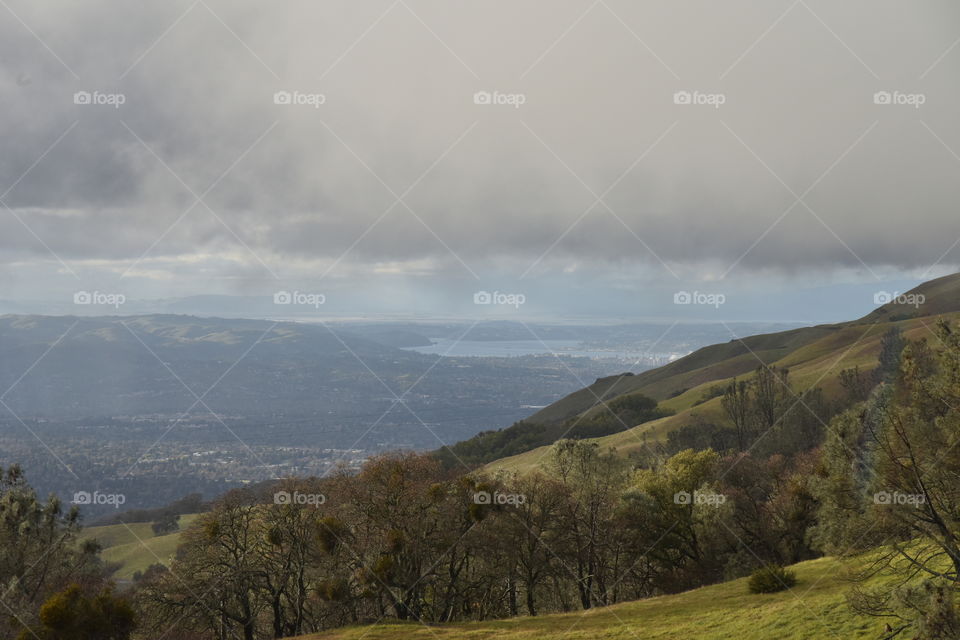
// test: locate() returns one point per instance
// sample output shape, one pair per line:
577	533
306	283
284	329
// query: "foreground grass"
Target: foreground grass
814	608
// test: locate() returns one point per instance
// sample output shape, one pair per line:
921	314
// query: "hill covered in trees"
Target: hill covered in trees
620	414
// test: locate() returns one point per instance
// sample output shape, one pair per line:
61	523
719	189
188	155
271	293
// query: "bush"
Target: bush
74	615
771	579
167	523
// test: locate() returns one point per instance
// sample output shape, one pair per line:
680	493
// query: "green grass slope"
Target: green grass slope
703	365
739	357
118	534
817	363
134	546
941	295
814	355
814	608
690	386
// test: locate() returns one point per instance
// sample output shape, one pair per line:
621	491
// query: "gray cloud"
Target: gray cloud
508	195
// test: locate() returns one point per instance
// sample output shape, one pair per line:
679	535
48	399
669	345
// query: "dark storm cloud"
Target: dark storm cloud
492	184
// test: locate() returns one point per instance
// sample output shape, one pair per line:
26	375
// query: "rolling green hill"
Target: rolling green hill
689	386
814	608
134	546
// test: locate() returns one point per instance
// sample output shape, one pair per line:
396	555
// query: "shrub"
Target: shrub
771	579
167	523
74	615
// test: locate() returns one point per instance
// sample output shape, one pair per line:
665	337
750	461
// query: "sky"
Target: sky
775	160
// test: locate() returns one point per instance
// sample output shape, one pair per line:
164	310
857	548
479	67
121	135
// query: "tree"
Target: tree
72	615
770	507
168	523
213	582
840	482
891	347
856	384
738	407
907	439
39	551
286	550
397	505
770	396
670	524
593	482
532	529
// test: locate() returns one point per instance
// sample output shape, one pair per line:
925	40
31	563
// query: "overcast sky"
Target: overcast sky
596	157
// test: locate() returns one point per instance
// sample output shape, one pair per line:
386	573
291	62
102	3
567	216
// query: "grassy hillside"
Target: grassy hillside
815	364
706	364
134	546
814	355
814	608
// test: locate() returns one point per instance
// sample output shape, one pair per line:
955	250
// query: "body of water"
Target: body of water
507	348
